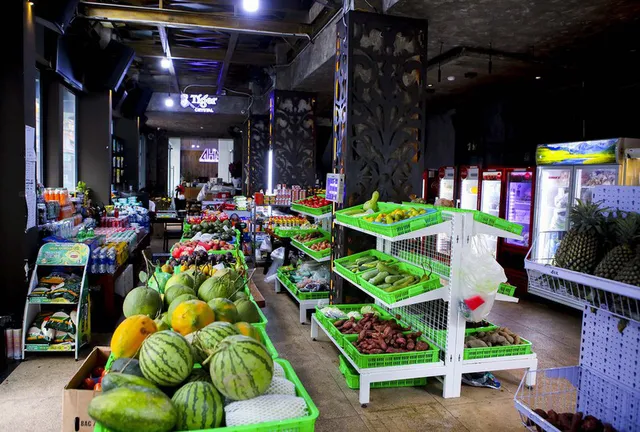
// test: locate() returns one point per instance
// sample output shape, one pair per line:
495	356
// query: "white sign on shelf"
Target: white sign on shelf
335	188
202	103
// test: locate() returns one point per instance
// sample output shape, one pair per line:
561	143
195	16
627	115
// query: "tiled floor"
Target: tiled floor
30	398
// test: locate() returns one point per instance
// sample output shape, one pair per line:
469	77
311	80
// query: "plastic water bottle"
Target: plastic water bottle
103	260
111	258
95	255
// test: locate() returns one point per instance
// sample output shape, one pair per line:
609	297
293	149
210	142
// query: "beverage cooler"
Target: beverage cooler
447	183
508	193
468	187
570	171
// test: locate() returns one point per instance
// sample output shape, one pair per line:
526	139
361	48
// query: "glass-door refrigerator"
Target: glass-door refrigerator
468	187
490	198
447	184
570	171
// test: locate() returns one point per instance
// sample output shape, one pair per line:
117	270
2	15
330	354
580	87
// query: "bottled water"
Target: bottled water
95	256
111	259
103	260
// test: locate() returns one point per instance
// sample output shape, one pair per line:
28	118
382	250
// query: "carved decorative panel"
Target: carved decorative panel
257	148
293	137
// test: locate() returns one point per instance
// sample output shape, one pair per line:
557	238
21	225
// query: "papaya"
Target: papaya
190	316
128	337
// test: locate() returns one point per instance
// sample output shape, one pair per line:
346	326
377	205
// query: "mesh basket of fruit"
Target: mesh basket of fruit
316	205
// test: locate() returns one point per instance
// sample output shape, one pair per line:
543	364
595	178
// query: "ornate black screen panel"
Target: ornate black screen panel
293	137
258	146
379	110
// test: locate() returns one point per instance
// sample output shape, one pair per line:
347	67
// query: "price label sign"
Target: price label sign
335	187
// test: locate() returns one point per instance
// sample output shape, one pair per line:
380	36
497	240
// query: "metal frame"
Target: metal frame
431	307
305	305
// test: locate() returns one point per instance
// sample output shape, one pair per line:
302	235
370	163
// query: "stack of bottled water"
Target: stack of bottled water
103	260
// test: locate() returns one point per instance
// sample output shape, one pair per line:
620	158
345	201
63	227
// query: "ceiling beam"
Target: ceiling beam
183	53
222	76
164	40
180	19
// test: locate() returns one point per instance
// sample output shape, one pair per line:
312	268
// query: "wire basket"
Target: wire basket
577	389
574	288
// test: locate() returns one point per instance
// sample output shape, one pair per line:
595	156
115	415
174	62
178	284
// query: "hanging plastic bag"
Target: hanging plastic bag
265	246
481	277
278	260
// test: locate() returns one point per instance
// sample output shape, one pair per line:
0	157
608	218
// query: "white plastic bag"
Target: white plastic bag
278	260
265	246
481	277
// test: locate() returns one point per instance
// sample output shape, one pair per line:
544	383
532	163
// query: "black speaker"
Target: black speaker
137	101
55	14
109	66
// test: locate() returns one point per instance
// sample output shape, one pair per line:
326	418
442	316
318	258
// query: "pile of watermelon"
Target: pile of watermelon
162	391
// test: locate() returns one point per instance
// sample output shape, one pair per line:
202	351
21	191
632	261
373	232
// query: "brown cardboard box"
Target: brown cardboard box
75	400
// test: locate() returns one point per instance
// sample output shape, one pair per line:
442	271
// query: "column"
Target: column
255	154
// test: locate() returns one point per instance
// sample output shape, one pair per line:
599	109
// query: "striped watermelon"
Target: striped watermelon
199	406
199	375
166	358
241	368
206	339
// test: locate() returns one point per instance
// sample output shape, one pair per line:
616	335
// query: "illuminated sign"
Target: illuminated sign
209	155
201	103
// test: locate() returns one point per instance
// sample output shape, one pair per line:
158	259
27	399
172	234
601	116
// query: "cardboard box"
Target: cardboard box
75	400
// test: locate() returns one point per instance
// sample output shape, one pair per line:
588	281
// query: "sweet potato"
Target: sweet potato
553	417
410	345
338	323
576	423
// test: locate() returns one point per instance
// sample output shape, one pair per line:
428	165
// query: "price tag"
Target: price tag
335	188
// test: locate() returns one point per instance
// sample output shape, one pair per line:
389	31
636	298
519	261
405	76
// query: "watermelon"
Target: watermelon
176	291
134	409
179	279
224	309
197	357
166	358
142	301
114	380
207	339
174	304
247	311
127	366
199	406
223	283
241	368
199	375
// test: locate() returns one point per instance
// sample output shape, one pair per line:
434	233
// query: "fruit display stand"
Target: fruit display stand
432	308
72	256
306	300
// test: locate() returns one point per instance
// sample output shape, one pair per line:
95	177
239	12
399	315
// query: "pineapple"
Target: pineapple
626	231
630	272
580	248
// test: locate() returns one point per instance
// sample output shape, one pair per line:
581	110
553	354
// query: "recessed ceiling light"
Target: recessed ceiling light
251	5
165	63
451	78
429	85
193	146
201	127
168	102
538	77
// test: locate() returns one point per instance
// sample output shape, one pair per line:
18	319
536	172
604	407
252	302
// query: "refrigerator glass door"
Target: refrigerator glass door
446	189
587	178
552	208
469	194
519	202
490	197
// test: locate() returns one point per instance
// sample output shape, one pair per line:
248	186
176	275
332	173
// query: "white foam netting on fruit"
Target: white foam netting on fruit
263	409
281	386
278	370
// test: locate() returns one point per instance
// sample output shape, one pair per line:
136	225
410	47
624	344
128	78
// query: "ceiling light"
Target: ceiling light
429	85
451	78
165	63
538	77
201	127
193	146
251	5
198	146
168	102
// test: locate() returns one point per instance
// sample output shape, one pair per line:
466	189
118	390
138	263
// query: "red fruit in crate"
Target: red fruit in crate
88	383
176	252
222	242
98	387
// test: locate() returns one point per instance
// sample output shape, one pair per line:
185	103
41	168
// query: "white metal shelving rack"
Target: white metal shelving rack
436	310
305	305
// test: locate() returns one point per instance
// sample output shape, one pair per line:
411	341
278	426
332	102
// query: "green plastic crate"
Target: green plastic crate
364	361
432	217
327	323
300	424
339	265
301	295
266	341
435	265
323	234
392	297
353	378
263	319
315	254
315	211
287	233
506	289
342	216
488	219
497	351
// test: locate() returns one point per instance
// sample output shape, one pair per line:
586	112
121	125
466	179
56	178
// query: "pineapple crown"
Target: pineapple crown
627	228
587	217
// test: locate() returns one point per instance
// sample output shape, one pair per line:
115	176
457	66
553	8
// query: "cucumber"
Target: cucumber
370	274
385	268
379	278
385	285
403	281
365	260
393	278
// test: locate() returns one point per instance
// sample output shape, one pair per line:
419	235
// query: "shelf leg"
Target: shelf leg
314	328
451	385
365	384
303	314
277	286
530	380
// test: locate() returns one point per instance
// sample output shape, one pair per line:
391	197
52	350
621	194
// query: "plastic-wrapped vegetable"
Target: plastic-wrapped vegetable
333	313
369	309
355	315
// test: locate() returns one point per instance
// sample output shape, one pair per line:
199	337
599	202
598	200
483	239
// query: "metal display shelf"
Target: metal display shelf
323	259
305	305
438	248
320	216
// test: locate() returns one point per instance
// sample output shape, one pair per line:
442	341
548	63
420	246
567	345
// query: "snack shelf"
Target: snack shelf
305	304
301	248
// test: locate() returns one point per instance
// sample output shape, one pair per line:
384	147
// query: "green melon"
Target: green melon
198	279
142	301
174	304
199	375
176	291
241	368
197	356
166	358
179	279
134	409
126	365
247	311
199	406
240	295
224	309
114	380
206	340
223	283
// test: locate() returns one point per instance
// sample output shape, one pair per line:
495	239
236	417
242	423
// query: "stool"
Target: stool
171	231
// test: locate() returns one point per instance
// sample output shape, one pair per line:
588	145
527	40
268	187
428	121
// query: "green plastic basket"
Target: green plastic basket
392	297
364	361
353	378
340	264
287	233
497	351
432	217
315	254
302	295
435	265
488	219
314	211
266	341
507	289
323	234
263	319
342	216
300	424
327	323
